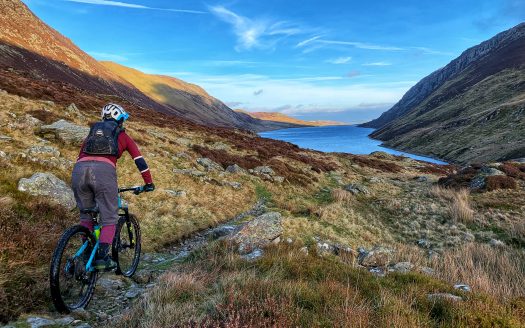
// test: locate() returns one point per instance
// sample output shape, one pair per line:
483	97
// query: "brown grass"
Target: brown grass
459	204
377	164
500	182
340	195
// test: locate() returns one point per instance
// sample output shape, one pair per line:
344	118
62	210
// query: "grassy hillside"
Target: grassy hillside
216	287
280	117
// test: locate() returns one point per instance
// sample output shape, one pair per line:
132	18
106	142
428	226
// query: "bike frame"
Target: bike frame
123	208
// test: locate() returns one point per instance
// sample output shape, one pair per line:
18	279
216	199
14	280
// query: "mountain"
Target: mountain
280	117
31	48
471	110
188	100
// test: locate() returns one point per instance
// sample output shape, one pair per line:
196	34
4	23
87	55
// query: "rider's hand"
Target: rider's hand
149	187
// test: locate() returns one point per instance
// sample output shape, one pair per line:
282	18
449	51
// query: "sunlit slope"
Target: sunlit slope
280	117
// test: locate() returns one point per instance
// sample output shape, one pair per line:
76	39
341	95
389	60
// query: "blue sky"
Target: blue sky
335	59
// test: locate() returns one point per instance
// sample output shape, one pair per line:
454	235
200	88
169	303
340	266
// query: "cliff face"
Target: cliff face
467	111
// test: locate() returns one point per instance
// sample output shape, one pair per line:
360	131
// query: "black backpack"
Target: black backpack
103	139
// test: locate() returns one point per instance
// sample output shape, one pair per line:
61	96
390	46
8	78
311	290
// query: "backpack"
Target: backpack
103	139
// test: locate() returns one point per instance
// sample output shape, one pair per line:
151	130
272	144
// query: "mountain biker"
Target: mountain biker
94	176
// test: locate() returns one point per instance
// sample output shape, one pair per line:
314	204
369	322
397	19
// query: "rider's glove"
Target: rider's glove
149	187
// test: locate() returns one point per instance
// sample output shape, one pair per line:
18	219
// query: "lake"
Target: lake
343	139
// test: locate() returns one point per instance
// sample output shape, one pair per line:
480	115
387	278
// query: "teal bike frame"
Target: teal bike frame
123	206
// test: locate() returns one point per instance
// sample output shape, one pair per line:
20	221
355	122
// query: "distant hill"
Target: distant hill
30	47
472	110
280	117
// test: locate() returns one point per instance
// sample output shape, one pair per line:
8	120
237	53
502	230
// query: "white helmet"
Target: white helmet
114	111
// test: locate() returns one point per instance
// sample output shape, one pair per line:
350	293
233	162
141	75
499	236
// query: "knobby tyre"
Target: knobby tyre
71	285
126	245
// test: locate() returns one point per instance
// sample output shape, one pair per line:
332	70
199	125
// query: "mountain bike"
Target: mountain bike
72	274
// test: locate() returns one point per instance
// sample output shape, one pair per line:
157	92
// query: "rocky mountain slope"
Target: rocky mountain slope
280	117
29	46
472	110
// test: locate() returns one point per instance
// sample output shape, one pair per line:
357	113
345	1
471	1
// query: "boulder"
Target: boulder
48	185
478	182
45	151
5	138
258	233
260	170
490	171
176	193
73	110
356	189
190	172
378	256
403	267
234	168
209	165
65	131
496	243
463	287
232	184
253	255
37	322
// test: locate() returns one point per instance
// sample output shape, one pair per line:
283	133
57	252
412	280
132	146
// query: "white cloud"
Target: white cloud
132	5
303	94
428	51
317	41
378	64
307	41
255	33
107	56
339	61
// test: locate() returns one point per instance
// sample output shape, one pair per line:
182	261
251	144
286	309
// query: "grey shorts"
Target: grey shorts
95	183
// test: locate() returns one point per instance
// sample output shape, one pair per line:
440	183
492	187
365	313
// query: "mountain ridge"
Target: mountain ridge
468	111
280	117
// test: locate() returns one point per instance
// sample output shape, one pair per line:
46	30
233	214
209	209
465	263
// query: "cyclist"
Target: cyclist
94	176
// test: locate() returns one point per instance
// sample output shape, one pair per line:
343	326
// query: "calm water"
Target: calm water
345	139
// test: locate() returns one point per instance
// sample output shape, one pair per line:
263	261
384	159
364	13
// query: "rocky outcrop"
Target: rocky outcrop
258	233
65	131
49	186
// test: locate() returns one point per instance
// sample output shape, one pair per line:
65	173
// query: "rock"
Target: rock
236	169
258	233
219	146
263	170
72	109
65	131
64	321
478	182
468	237
255	254
490	171
444	296
427	271
463	287
180	155
289	240
81	314
356	189
378	272
5	138
132	293
403	267
143	277
48	151
304	250
496	243
423	243
3	154
379	256
326	248
375	180
184	141
37	322
209	165
421	178
176	193
111	283
83	325
222	231
234	185
48	185
191	172
278	179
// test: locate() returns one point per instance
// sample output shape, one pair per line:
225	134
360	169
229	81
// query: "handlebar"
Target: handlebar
136	190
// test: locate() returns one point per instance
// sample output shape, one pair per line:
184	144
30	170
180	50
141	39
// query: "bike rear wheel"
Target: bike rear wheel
126	245
71	285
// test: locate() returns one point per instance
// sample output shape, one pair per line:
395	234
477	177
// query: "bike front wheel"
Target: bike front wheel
71	285
126	245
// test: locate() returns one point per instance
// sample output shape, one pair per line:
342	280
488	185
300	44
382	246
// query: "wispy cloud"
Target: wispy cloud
107	56
428	51
134	6
255	33
317	42
381	63
339	60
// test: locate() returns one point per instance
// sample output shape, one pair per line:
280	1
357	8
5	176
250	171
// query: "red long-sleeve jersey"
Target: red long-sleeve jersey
125	143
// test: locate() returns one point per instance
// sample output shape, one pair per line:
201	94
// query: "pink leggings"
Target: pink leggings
106	233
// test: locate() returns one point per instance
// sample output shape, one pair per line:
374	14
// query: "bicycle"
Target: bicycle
72	274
